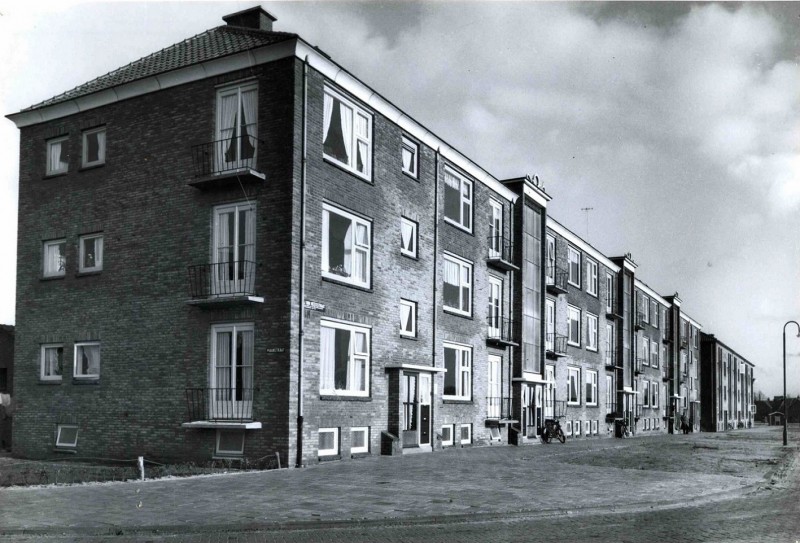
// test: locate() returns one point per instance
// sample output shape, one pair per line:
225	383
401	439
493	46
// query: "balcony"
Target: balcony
612	312
500	332
501	253
555	409
498	408
611	360
640	322
555	346
220	408
223	284
225	163
611	412
555	280
667	333
684	343
640	363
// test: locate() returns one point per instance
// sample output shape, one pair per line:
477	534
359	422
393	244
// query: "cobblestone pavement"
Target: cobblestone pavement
737	486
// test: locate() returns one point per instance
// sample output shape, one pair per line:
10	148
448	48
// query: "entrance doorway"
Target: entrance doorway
416	394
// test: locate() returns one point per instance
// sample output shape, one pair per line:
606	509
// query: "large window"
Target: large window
57	157
231	376
347	134
610	343
532	234
408	318
457	199
458	377
234	249
91	253
591	277
574	258
591	387
410	155
573	386
645	351
87	360
94	147
237	127
52	362
54	258
408	237
457	289
591	332
574	326
346	247
344	359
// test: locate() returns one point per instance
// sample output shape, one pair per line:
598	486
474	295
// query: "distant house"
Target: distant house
6	383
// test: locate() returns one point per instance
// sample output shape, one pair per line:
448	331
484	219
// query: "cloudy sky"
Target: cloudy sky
678	123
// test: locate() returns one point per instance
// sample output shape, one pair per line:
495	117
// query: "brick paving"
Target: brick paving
548	481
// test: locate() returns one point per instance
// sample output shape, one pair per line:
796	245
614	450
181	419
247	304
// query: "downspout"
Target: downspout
435	267
301	298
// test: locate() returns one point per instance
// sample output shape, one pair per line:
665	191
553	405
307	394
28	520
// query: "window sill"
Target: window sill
88	273
50	382
576	345
337	398
86	381
412	338
65	451
343	167
458	225
410	257
52	277
329	457
55	174
591	350
463	401
91	167
570	283
411	175
457	313
360	455
346	284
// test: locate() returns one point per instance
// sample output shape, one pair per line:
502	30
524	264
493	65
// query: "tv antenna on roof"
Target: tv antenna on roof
587	210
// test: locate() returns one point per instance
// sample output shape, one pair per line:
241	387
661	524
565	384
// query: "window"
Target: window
645	395
52	362
591	332
573	386
344	359
408	237
568	428
654	313
610	345
359	440
237	127
447	435
466	434
550	264
576	428
94	147
496	245
91	253
229	442
574	326
231	371
645	302
696	337
591	277
574	259
654	354
609	293
408	318
55	258
457	290
87	360
328	442
610	394
234	249
410	157
645	352
347	134
458	377
591	387
346	247
587	427
457	200
594	427
67	435
495	307
654	395
57	157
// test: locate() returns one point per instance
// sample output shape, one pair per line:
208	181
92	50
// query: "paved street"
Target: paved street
740	486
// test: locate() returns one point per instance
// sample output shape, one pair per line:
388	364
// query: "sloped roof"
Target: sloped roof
214	43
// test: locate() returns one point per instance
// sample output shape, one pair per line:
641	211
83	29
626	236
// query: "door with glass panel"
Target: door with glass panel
496	230
549	391
410	409
550	264
550	324
237	128
495	307
231	375
234	251
424	410
494	389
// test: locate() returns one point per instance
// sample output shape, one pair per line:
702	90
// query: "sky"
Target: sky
677	123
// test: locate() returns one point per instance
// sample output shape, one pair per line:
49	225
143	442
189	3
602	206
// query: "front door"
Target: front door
494	399
231	375
496	230
234	252
549	391
237	126
410	410
424	410
550	324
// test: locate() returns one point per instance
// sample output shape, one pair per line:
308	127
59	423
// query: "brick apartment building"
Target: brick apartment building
235	248
727	387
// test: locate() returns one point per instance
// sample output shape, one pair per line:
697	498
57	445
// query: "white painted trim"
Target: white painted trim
650	292
693	322
415	367
536	196
584	246
222	425
530	377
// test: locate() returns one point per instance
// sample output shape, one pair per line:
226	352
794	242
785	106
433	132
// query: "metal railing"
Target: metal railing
498	407
556	278
611	409
231	154
222	279
640	321
610	357
500	329
556	344
554	408
215	404
684	342
501	248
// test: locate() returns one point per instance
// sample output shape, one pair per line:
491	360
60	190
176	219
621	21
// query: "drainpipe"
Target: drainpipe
301	302
435	267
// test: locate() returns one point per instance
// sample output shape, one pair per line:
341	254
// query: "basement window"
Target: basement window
67	435
230	443
328	442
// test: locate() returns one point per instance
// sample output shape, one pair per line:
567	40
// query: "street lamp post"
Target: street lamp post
785	411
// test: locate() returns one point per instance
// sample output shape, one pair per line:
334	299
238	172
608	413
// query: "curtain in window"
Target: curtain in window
465	292
57	160
347	130
101	145
362	133
54	258
405	318
245	365
407	236
357	365
327	357
451	273
360	256
247	235
225	231
222	362
249	129
90	359
327	105
407	160
227	124
348	250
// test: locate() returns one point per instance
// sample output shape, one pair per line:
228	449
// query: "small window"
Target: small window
52	363
654	354
447	435
591	277
55	259
576	428
457	200
410	157
591	387
574	258
591	332
574	326
587	427
408	318
359	440
57	157
67	435
494	433
457	288
94	147
408	237
347	137
466	434
595	425
573	386
458	375
568	428
87	360
230	442
91	253
646	308
328	442
346	247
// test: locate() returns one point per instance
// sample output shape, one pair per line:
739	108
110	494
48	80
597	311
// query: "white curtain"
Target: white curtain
348	249
347	129
327	357
405	318
328	113
451	273
222	364
101	145
55	258
452	181
91	359
351	374
247	362
249	235
406	233
57	162
407	158
249	106
227	120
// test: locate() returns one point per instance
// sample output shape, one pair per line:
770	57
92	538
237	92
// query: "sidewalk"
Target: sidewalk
582	475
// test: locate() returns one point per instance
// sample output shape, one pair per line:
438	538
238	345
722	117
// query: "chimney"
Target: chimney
256	18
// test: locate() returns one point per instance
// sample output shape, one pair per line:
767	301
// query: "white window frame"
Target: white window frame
568	428
645	307
574	264
228	452
464	221
229	149
87	376
70	445
43	375
610	344
654	362
576	428
101	151
592	280
412	309
595	426
592	323
573	311
62	261
463	366
654	312
573	375
644	353
496	229
550	259
365	250
413	148
654	399
591	382
355	430
496	309
464	265
354	358
610	393
62	140
451	429
405	222
351	165
461	439
98	250
587	428
335	449
645	395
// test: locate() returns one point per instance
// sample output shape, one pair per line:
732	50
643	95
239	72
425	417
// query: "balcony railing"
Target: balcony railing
640	321
498	408
222	280
555	345
611	411
555	279
216	161
684	342
610	358
219	404
554	408
501	253
500	331
639	364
